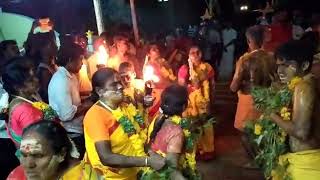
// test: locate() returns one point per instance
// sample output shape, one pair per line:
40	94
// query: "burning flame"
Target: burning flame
83	71
83	68
149	75
139	84
103	55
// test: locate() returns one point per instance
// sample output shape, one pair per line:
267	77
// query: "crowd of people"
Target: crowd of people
128	111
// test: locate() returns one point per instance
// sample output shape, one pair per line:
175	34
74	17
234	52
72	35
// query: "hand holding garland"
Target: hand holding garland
277	121
303	103
173	158
108	158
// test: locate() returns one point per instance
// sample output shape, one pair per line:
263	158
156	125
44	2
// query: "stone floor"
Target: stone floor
230	155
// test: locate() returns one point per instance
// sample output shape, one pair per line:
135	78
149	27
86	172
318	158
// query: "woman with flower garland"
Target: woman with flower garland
200	78
294	60
115	147
20	81
170	138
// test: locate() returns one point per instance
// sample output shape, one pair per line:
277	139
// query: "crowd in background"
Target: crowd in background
49	70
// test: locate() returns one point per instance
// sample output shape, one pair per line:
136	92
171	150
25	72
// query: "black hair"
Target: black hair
194	46
257	33
4	45
296	50
69	52
56	136
125	65
37	42
99	79
311	38
66	39
151	45
173	101
315	20
16	73
120	37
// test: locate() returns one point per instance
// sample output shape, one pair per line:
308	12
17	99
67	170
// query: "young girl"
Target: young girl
168	137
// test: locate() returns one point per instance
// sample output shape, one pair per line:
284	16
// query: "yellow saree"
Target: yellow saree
120	143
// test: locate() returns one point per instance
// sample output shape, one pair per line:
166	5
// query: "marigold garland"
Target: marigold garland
294	82
125	115
268	136
257	129
189	139
187	159
285	114
47	111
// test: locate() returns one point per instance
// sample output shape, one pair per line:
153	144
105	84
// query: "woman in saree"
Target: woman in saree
114	147
47	154
20	82
199	77
168	138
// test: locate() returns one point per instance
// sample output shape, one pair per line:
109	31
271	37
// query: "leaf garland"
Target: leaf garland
187	160
268	137
127	125
139	119
47	111
125	121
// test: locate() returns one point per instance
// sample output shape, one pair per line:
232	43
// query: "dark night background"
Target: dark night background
78	15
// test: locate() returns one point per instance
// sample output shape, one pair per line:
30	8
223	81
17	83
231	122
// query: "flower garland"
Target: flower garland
187	159
189	139
294	82
126	116
48	113
268	136
200	97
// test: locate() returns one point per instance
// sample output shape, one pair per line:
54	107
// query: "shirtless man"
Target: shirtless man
294	59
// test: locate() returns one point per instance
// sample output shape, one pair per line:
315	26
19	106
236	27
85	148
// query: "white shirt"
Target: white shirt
228	35
4	97
64	98
214	36
4	103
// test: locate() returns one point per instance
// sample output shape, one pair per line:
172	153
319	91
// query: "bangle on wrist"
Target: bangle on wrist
146	161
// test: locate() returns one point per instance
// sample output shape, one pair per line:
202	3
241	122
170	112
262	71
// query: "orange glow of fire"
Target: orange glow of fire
83	71
103	55
149	75
139	84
